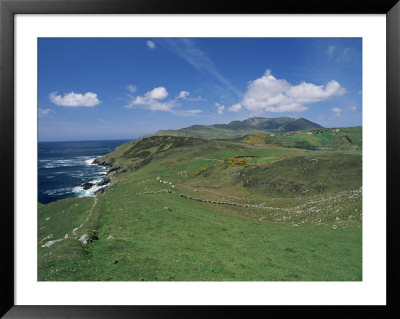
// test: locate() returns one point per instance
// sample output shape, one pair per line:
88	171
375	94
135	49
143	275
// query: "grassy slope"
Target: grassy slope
349	138
159	235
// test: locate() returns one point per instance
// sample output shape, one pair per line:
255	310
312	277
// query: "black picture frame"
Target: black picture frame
8	8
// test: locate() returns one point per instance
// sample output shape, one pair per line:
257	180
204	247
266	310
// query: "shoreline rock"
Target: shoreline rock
87	185
106	180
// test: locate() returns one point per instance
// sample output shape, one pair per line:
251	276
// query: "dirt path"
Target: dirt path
86	220
74	231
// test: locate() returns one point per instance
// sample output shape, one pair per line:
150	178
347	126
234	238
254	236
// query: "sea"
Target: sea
64	166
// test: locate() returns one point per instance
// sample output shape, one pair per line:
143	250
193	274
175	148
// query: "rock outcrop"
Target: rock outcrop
87	186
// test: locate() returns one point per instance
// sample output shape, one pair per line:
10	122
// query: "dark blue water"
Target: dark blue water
64	166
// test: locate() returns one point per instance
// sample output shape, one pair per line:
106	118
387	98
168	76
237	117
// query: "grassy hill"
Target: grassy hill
237	129
262	207
334	138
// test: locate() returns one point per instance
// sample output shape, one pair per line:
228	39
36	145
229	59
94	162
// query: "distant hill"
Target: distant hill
237	129
279	124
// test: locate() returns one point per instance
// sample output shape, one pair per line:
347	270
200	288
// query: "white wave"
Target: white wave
91	192
75	161
90	161
62	163
58	191
96	180
75	174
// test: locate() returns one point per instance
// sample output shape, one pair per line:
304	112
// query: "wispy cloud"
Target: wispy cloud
337	111
339	54
151	44
330	50
185	95
188	51
103	121
343	55
44	112
269	94
73	99
131	88
353	108
235	108
186	112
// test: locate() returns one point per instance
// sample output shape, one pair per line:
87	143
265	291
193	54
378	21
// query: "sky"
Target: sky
123	88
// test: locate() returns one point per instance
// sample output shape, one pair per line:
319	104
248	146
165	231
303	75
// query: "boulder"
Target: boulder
85	239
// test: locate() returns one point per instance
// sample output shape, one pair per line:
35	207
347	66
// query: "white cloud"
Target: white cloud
72	99
131	88
278	95
220	108
44	112
183	95
153	100
337	111
158	93
331	50
151	44
235	107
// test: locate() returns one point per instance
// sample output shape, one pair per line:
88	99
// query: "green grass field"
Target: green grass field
258	208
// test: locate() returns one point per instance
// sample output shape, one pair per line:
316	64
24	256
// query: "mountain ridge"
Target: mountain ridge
239	128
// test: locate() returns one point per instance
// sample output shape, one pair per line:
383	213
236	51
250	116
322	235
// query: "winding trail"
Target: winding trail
74	231
86	220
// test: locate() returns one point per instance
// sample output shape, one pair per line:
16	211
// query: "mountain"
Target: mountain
279	124
237	129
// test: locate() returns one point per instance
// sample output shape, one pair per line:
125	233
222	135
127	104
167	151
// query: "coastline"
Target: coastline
97	185
70	169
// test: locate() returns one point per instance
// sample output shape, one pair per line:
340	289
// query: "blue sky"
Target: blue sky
123	88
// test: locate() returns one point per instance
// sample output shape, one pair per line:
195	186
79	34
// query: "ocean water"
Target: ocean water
64	166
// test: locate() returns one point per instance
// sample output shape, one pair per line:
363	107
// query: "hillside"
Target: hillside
237	129
335	138
268	206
